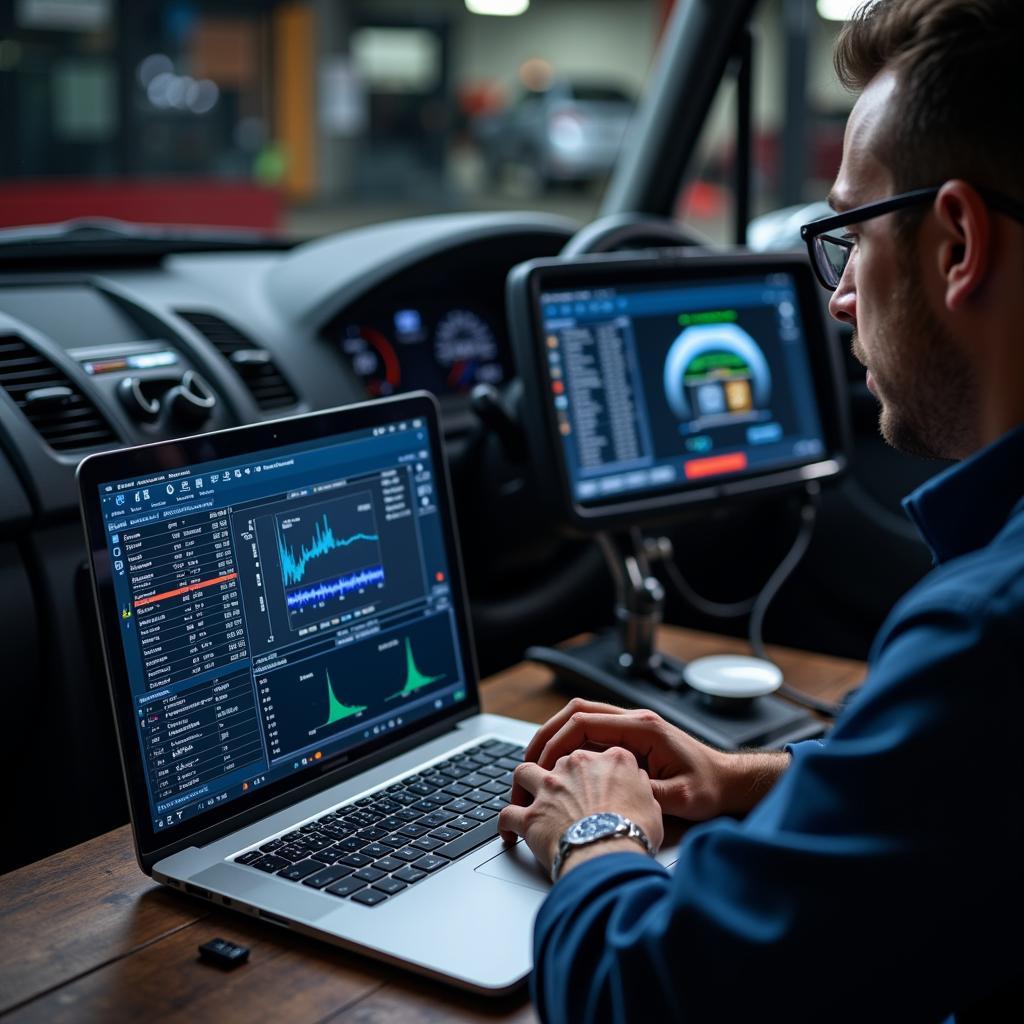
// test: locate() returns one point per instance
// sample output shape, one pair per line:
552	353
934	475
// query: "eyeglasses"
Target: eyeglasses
829	253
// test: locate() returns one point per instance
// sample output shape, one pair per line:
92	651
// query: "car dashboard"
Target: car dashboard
96	355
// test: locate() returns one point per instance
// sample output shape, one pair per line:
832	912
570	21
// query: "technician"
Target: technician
875	875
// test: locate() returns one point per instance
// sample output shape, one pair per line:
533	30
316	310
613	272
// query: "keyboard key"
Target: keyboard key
296	872
406	815
364	802
389	885
369	897
437	818
268	862
345	887
391	823
274	844
463	824
505	750
430	863
456	789
405	798
508	763
459	805
290	837
369	874
409	853
430	803
482	814
389	864
497	804
409	874
479	796
313	843
375	850
291	853
475	780
326	856
371	835
386	806
352	844
420	788
356	860
249	856
413	831
395	842
470	841
326	876
335	829
426	843
446	835
497	787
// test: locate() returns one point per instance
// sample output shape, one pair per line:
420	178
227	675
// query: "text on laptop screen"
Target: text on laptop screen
665	386
280	609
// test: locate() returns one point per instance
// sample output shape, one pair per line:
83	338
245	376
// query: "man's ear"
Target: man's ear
966	231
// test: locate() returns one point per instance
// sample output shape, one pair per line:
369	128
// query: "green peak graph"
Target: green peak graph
414	678
336	710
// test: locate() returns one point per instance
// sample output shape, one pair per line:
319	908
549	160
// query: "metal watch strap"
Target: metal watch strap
632	831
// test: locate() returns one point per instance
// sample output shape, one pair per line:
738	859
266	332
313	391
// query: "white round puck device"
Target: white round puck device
733	676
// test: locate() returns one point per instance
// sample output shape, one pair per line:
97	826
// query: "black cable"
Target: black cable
715	609
757	607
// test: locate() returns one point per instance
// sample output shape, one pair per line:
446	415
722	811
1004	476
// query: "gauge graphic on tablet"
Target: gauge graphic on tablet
716	373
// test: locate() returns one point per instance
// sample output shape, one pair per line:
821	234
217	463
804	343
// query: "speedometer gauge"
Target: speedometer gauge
373	359
466	350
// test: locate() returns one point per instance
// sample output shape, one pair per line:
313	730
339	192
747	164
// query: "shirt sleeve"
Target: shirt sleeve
868	885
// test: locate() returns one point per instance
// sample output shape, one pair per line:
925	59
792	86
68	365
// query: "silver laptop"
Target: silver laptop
287	641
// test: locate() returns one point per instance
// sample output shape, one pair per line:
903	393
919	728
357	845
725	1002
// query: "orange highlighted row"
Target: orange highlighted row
184	590
715	464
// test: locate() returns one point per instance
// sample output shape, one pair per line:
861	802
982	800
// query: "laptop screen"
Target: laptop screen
280	609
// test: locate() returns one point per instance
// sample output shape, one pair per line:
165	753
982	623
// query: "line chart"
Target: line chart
326	553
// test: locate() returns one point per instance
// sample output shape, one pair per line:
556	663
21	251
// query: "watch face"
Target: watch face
594	827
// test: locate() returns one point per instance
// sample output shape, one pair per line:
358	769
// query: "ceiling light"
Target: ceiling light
838	10
504	8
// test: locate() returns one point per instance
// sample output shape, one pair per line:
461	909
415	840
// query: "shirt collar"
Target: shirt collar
963	508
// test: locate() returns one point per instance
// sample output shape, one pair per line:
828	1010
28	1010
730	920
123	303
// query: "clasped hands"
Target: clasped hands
593	757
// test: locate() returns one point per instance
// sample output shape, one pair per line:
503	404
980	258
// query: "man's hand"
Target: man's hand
688	779
581	783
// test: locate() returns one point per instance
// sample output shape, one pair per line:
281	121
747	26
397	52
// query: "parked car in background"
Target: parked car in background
569	131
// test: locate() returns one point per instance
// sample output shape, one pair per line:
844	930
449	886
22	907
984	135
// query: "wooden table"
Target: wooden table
84	935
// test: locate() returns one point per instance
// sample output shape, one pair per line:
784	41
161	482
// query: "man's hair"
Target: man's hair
957	107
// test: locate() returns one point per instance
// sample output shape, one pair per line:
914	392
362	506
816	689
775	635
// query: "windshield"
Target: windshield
309	116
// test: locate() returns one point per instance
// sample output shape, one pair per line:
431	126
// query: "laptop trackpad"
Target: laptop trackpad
517	864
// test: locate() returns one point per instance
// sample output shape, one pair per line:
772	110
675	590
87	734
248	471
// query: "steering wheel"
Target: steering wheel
560	571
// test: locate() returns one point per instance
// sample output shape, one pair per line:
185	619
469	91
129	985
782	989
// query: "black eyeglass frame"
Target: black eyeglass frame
810	233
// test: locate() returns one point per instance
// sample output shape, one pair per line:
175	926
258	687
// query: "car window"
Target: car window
309	117
798	113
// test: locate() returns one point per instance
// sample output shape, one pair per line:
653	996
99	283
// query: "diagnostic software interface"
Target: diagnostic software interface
672	385
279	609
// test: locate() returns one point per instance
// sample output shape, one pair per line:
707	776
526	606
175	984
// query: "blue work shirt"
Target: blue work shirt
881	878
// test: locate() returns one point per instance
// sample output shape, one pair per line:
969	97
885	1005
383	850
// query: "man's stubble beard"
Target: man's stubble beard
927	390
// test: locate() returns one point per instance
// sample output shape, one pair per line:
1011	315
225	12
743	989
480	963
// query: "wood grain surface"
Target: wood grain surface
84	935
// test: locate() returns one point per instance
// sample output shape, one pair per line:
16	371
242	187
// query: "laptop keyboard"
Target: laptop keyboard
374	848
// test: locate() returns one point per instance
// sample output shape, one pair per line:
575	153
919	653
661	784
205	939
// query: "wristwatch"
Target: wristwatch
592	829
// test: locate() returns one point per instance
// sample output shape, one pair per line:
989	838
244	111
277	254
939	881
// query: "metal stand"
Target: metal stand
623	664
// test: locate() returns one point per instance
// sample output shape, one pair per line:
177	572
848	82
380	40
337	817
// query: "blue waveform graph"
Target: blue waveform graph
343	585
293	567
327	552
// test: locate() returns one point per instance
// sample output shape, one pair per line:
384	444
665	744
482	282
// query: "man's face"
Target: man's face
919	375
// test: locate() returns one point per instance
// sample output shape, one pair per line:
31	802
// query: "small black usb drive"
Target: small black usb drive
223	953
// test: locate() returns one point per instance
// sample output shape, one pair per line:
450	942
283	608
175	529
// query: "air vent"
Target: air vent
64	417
253	364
